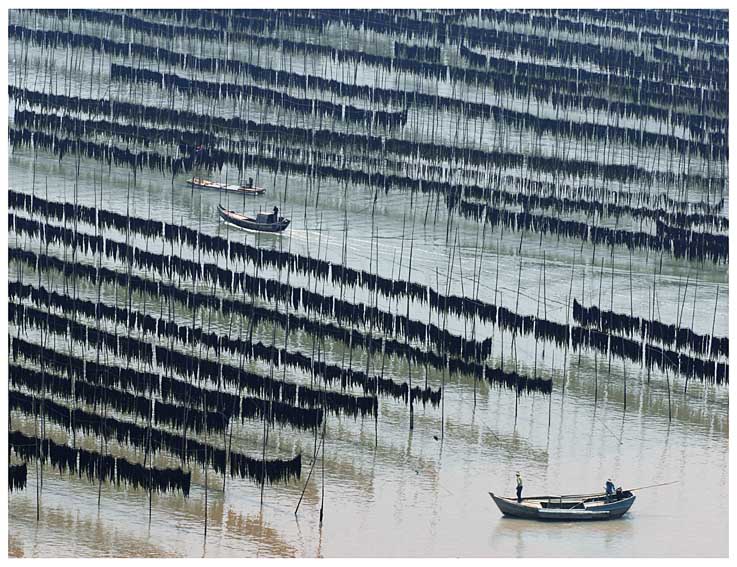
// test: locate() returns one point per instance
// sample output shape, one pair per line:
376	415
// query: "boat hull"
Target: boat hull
248	224
240	189
534	508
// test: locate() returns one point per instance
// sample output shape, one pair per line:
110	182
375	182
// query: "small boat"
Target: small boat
249	189
566	508
264	222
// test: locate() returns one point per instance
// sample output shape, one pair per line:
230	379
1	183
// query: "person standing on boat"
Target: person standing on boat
276	214
610	488
519	487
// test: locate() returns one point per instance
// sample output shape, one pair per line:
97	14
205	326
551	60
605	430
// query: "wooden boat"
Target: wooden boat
566	508
263	222
249	189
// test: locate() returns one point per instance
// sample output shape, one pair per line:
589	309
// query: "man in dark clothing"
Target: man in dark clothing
519	487
609	487
276	214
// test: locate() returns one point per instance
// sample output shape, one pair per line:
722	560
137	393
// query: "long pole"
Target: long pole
568	326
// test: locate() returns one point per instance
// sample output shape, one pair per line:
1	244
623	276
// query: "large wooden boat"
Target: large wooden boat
262	222
566	508
249	189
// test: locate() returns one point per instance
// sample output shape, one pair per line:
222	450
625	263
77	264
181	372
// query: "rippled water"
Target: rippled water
422	492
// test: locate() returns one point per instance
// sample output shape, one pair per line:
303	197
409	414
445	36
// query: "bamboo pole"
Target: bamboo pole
693	315
568	326
406	339
514	339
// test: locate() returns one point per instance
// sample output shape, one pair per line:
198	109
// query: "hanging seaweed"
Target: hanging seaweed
610	322
105	467
17	477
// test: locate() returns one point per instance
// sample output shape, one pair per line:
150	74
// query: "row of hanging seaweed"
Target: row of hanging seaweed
340	403
656	27
697	245
187	365
639	89
664	359
119	345
612	171
260	257
501	40
346	404
682	337
225	405
267	289
124	132
124	432
310	106
184	123
101	152
95	394
713	146
653	89
542	328
427	53
650	89
678	242
17	477
536	194
186	334
575	100
391	347
97	466
283	159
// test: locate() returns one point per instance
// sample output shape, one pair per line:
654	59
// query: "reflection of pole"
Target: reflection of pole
596	350
514	340
652	316
624	359
341	315
713	321
583	287
568	319
406	333
537	318
314	460
693	315
665	367
322	442
383	362
476	284
370	342
451	261
611	310
552	366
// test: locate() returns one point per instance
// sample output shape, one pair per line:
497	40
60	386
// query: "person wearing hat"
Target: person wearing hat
609	487
519	487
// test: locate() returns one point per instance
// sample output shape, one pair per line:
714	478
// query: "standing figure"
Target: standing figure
609	487
519	487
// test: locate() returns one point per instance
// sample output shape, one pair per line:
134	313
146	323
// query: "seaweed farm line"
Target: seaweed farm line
480	276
